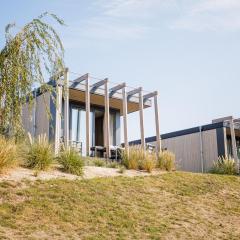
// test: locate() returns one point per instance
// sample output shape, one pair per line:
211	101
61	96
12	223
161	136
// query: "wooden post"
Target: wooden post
107	130
34	113
58	117
141	119
234	146
225	141
66	108
125	126
87	102
158	140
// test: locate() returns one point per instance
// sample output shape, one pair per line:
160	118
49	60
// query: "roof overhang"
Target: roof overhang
97	99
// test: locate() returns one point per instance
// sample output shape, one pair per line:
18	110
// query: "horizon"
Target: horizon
187	51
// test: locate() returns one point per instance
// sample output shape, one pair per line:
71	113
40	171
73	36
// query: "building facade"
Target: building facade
87	112
197	148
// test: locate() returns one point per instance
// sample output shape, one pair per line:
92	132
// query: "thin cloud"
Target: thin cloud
210	15
124	19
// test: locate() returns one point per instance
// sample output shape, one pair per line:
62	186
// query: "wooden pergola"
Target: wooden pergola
108	93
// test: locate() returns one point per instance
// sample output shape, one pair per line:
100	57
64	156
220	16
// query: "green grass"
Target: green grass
71	161
169	206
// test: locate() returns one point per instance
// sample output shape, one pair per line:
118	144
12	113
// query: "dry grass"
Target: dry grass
8	154
38	153
71	161
170	206
166	161
139	159
224	165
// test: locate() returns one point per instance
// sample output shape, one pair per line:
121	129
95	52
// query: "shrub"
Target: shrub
139	159
71	161
150	162
8	154
224	165
166	161
99	162
39	153
122	169
112	164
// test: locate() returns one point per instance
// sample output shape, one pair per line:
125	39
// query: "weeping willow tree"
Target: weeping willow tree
28	55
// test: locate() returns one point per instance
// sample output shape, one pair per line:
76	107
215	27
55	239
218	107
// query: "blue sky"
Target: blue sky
188	50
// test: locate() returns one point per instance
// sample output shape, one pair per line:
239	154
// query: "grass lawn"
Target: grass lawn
169	206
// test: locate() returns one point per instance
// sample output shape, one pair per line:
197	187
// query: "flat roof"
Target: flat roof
179	133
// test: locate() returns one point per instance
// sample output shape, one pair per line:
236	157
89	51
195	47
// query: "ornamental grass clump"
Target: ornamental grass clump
139	159
71	161
224	165
166	161
8	154
39	154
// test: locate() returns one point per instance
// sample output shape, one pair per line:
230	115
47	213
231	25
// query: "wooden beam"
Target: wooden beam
96	85
107	129
34	113
87	102
225	141
125	125
234	145
224	119
141	119
150	95
158	140
58	118
237	120
66	108
133	92
116	88
80	79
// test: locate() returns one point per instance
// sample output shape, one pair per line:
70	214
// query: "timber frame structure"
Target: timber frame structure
89	93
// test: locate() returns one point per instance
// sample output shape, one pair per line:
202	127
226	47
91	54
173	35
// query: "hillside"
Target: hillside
169	206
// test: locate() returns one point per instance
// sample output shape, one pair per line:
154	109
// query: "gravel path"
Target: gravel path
19	174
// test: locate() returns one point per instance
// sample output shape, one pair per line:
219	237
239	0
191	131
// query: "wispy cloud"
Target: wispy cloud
210	15
133	19
123	19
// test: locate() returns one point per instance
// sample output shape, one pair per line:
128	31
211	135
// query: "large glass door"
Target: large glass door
78	128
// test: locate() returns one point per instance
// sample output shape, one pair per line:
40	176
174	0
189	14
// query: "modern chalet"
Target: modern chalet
86	114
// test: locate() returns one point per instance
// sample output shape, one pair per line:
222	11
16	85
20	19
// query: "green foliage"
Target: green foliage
139	159
224	165
39	153
71	161
113	164
99	162
27	55
166	161
8	154
122	169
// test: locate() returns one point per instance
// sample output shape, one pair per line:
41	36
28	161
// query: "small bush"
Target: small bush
71	161
139	159
224	165
122	169
112	164
8	154
166	161
39	154
150	162
99	162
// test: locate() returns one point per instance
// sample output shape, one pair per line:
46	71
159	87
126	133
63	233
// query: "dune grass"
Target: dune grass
169	206
8	154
